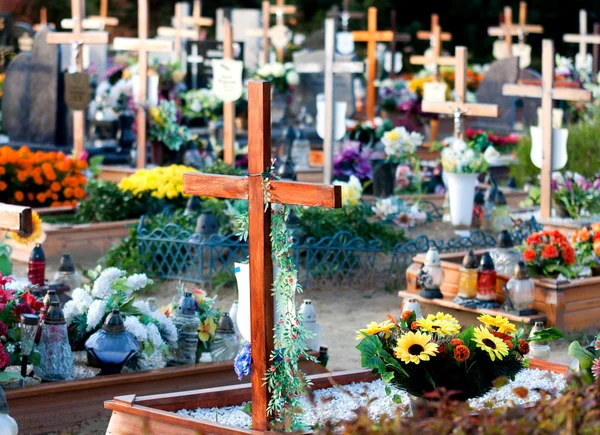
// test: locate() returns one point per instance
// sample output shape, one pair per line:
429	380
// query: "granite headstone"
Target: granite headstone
199	60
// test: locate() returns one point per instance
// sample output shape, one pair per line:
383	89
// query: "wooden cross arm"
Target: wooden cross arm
379	36
427	60
135	44
531	28
514	31
448	108
288	9
108	21
84	38
426	34
589	39
198	21
15	218
309	68
184	33
87	24
338	14
282	192
348	67
531	91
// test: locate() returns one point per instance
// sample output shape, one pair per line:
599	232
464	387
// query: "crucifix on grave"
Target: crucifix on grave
459	108
372	36
397	37
280	34
196	20
77	83
547	92
259	229
16	219
334	125
263	32
95	22
142	45
426	35
504	47
179	32
436	91
43	20
525	28
582	58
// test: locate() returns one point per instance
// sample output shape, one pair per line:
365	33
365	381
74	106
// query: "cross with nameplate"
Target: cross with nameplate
259	229
142	45
547	92
330	68
43	20
78	38
583	38
16	219
263	32
178	32
372	36
460	107
280	10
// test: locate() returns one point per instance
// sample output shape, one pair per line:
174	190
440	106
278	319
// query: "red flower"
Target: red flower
5	280
550	251
31	300
569	255
533	239
529	255
5	297
3	329
23	308
4	357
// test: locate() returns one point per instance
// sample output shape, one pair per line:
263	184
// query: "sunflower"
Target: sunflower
442	324
375	328
501	323
494	346
415	347
36	236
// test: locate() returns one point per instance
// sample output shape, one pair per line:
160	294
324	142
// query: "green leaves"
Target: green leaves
584	356
548	334
375	357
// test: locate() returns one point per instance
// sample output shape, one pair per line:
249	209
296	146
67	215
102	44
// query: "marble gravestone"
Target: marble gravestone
500	73
32	106
312	84
243	20
199	60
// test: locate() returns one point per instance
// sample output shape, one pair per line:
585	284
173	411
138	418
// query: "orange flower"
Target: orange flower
596	247
54	196
549	252
596	227
456	342
461	353
55	186
2	170
68	192
414	326
529	255
583	235
41	197
19	196
568	255
501	335
3	186
79	193
523	347
82	164
406	315
30	196
508	344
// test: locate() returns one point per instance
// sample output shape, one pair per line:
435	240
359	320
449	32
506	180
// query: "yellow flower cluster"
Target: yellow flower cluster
161	182
442	324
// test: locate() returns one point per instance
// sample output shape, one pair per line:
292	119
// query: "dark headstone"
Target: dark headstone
200	73
314	41
6	36
490	92
530	105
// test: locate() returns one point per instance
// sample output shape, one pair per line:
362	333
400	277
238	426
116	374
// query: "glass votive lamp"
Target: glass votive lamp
29	324
520	288
432	275
225	345
505	255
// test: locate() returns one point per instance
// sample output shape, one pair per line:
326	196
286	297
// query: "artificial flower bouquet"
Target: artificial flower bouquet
574	195
396	97
202	103
352	161
368	132
460	157
351	190
394	211
112	288
401	145
165	126
483	140
549	253
407	180
283	76
586	242
422	355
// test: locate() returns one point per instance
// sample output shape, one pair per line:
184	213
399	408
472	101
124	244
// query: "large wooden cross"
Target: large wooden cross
80	38
427	34
263	32
526	28
143	46
179	32
345	15
43	20
460	107
280	10
583	38
103	17
372	36
330	68
229	107
259	229
16	219
547	92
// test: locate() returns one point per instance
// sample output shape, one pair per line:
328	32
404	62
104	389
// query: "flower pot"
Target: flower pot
461	192
384	179
559	147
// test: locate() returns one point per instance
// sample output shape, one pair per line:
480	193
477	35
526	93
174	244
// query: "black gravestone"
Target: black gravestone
199	60
500	73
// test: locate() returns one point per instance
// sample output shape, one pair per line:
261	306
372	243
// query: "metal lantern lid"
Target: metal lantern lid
66	266
486	262
505	240
30	319
193	205
521	271
55	315
479	197
187	305
37	253
50	297
207	224
500	198
114	323
432	258
470	260
225	324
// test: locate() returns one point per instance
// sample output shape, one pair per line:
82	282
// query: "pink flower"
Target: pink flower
5	280
5	297
402	182
4	357
596	368
3	329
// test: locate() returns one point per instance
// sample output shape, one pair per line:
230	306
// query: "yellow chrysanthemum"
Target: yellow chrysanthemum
440	323
36	236
375	328
161	182
501	323
207	329
415	347
494	346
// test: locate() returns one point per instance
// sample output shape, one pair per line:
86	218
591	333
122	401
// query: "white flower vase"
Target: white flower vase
559	147
461	192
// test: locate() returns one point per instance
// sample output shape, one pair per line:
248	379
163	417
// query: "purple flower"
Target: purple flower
352	161
597	183
569	184
243	362
554	185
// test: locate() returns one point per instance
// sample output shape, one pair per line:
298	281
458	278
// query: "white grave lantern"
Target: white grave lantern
387	63
339	129
307	311
523	52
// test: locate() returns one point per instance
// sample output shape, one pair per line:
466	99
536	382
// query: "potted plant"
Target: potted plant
549	253
168	137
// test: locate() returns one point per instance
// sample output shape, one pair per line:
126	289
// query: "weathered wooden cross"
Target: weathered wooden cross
583	38
259	229
526	28
372	36
345	15
143	46
330	68
505	31
108	21
263	32
179	32
16	219
78	38
460	107
398	37
425	35
43	20
280	10
547	92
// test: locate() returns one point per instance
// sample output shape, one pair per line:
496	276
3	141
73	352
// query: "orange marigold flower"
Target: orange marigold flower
508	344
523	347
79	193
21	176
596	227
501	335
41	197
55	186
456	342
19	196
461	353
68	192
30	196
406	315
584	234
529	254
55	196
3	186
82	164
2	170
549	251
414	326
50	175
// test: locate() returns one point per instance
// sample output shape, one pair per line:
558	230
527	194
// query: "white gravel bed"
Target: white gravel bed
333	404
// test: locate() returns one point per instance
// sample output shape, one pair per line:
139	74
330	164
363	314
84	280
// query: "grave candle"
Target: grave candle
486	281
467	278
37	266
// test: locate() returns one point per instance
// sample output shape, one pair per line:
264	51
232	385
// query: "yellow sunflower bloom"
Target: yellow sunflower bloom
494	346
502	324
375	328
440	323
415	347
36	236
207	329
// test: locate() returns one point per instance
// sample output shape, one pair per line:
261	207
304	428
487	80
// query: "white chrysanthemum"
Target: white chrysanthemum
103	285
143	307
82	299
292	78
136	282
95	314
278	70
70	311
166	326
385	207
154	335
135	327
